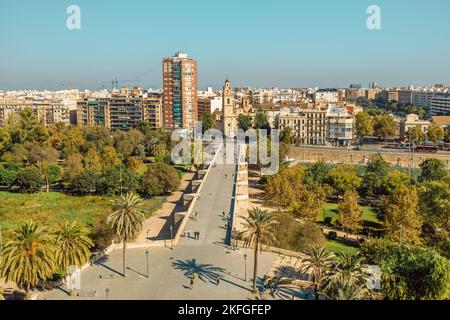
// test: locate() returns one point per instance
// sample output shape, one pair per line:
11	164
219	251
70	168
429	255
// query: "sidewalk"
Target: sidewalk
159	223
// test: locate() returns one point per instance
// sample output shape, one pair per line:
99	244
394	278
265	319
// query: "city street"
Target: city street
170	270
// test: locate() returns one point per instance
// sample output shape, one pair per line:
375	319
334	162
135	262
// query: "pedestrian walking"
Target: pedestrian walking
217	280
191	284
223	214
198	235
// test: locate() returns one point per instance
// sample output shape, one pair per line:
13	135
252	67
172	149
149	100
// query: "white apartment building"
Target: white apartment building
339	127
331	126
326	95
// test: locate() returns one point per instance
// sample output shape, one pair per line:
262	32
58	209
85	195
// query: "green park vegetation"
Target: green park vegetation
55	208
409	215
65	173
38	252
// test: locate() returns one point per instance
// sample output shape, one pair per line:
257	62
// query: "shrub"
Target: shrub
7	176
307	235
84	183
29	179
102	235
332	235
110	182
159	178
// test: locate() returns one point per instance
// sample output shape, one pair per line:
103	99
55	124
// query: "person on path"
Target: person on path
191	284
217	280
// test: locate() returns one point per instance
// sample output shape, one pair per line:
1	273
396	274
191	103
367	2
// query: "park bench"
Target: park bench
87	293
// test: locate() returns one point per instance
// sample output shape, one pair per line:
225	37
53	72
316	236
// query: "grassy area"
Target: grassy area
330	210
335	246
55	208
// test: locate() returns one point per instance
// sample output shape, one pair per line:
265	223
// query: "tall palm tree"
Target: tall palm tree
258	229
317	265
126	219
29	257
72	245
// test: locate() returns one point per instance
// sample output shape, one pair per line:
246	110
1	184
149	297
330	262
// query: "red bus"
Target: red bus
426	149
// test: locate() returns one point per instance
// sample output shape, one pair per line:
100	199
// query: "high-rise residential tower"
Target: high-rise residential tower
180	92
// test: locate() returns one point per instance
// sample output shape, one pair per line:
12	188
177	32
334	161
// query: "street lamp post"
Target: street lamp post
148	231
171	237
146	253
108	290
245	266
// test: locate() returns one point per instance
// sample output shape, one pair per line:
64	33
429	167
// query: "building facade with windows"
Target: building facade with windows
180	107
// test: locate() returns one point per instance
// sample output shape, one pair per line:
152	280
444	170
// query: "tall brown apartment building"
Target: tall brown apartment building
180	109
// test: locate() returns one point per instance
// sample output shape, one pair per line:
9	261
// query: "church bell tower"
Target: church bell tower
228	110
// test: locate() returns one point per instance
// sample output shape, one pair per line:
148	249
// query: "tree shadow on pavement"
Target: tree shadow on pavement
204	272
102	262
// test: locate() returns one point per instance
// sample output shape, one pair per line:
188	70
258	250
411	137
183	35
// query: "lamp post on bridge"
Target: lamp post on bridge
245	267
171	237
146	253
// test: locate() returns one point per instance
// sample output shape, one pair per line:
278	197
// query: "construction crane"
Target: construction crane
115	83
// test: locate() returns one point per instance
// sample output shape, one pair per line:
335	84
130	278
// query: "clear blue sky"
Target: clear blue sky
257	43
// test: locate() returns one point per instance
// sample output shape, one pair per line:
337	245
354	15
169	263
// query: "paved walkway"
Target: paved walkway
159	223
169	270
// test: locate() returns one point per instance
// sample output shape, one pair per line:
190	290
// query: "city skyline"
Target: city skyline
257	44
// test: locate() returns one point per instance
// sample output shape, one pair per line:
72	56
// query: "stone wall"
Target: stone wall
339	156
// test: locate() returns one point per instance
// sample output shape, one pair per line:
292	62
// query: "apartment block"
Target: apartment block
180	105
440	105
326	95
92	112
46	111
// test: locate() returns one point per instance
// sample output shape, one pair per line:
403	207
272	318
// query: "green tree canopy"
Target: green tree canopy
385	126
401	217
433	169
364	124
244	121
29	179
409	272
435	133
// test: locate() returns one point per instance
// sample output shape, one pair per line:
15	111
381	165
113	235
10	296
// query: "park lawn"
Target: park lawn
53	208
368	213
336	246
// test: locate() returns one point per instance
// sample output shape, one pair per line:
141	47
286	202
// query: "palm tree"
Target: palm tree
348	290
126	220
29	257
317	265
72	245
258	229
348	269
